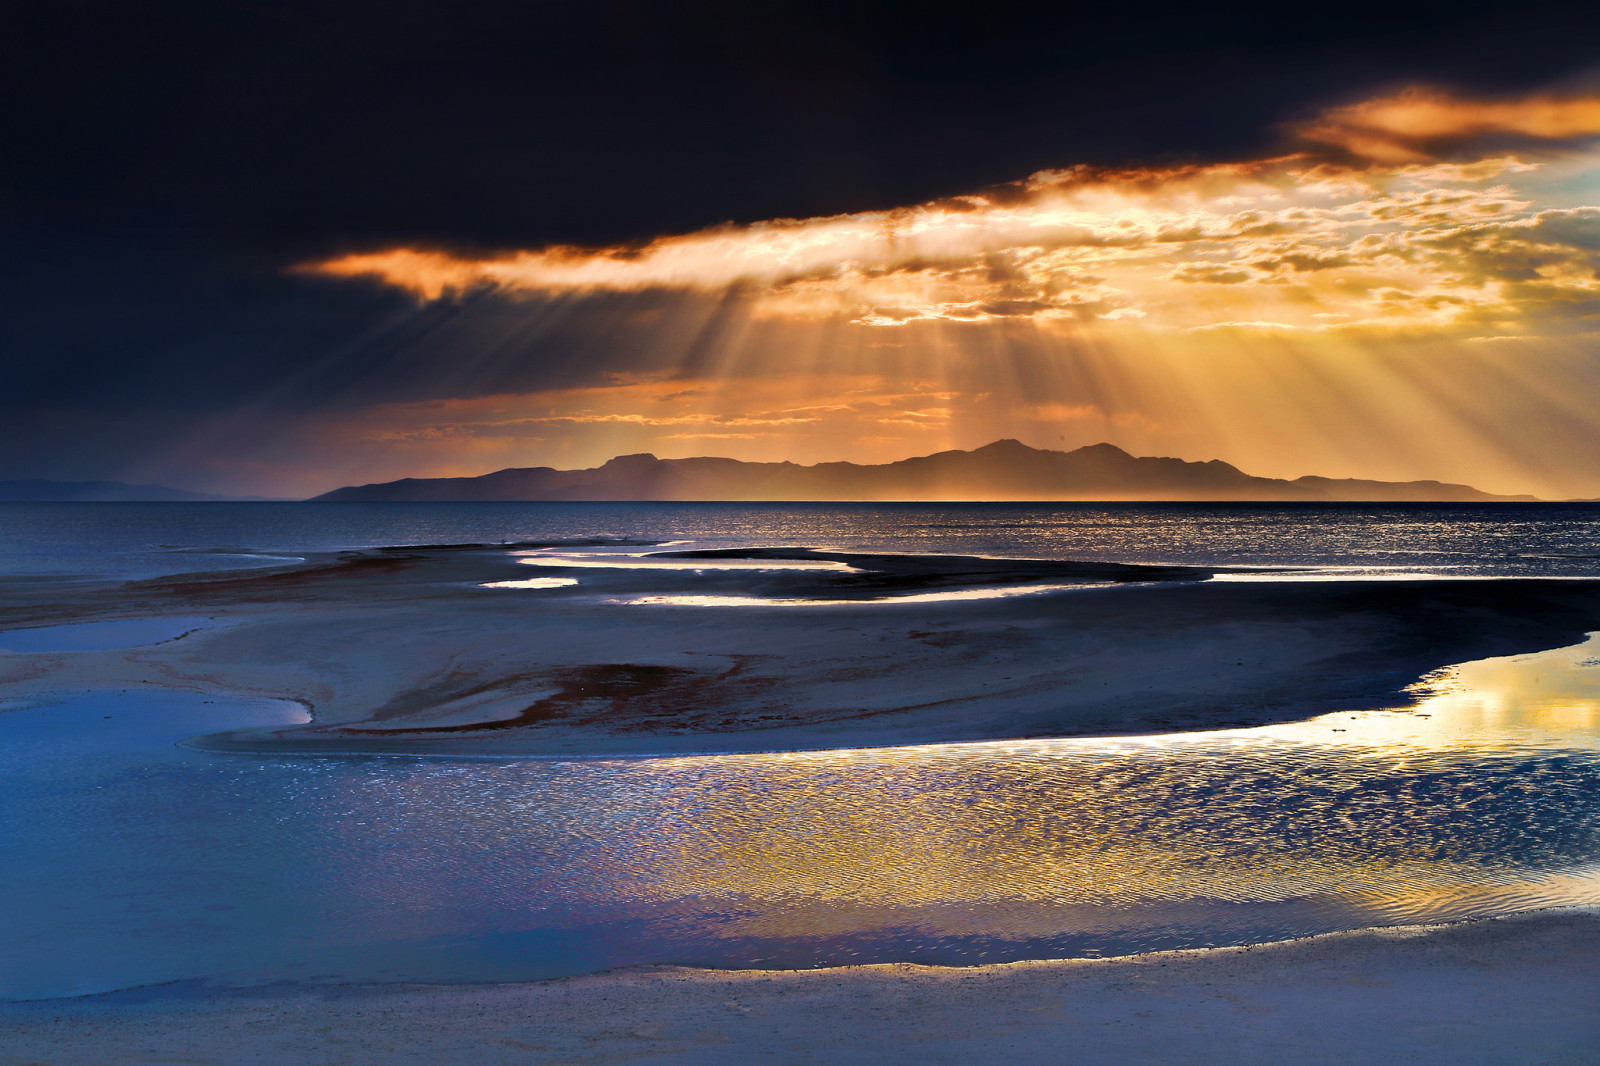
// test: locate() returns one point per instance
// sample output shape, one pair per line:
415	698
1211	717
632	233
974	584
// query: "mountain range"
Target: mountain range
1004	470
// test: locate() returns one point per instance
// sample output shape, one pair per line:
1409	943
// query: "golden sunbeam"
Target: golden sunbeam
1292	314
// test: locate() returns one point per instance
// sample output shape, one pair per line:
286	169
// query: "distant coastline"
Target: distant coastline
1005	470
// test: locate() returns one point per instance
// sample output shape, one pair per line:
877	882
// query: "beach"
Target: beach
1511	990
647	652
530	654
716	533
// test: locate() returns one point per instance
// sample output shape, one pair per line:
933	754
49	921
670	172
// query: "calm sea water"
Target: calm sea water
148	539
127	859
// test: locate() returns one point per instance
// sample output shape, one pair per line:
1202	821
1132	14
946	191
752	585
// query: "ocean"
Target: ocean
133	540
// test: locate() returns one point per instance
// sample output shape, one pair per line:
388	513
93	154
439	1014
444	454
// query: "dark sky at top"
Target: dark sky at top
163	163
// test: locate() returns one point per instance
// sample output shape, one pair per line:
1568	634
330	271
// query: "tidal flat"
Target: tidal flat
458	766
416	650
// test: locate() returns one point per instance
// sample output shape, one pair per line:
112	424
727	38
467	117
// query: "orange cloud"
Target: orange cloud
1397	129
1285	243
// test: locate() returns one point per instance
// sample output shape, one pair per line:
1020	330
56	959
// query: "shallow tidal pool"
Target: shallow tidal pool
127	859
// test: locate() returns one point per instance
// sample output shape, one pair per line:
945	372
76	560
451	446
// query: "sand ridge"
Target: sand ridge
403	650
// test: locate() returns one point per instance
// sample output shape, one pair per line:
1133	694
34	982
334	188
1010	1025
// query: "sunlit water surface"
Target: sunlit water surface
147	539
127	860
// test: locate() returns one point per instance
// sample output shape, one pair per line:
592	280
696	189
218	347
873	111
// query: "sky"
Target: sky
274	248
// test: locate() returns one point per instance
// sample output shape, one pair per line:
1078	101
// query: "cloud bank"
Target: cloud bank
1411	290
1404	228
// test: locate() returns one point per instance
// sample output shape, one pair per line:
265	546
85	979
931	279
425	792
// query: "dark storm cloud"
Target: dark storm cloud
163	165
310	126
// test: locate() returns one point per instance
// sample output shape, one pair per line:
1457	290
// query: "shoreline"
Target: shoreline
402	652
1511	989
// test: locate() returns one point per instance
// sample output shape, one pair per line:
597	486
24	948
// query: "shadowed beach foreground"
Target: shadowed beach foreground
1512	990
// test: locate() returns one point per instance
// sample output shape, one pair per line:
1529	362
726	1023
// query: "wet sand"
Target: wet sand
1510	990
402	650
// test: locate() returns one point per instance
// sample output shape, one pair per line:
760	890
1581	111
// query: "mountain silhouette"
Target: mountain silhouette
1004	470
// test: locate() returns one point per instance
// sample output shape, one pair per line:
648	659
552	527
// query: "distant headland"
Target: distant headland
1006	470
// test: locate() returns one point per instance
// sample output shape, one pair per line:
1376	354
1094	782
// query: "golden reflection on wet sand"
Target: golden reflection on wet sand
614	560
1483	798
1551	699
944	596
532	583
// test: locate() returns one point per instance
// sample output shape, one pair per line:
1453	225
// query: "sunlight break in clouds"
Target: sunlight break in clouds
1395	129
1295	242
1414	297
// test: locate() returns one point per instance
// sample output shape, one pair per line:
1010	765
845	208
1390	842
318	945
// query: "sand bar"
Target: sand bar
405	650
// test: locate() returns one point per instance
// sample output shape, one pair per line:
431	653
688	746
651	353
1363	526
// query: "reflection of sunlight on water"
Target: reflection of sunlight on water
1484	800
1336	573
532	583
1490	805
1442	572
1548	700
947	596
597	560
